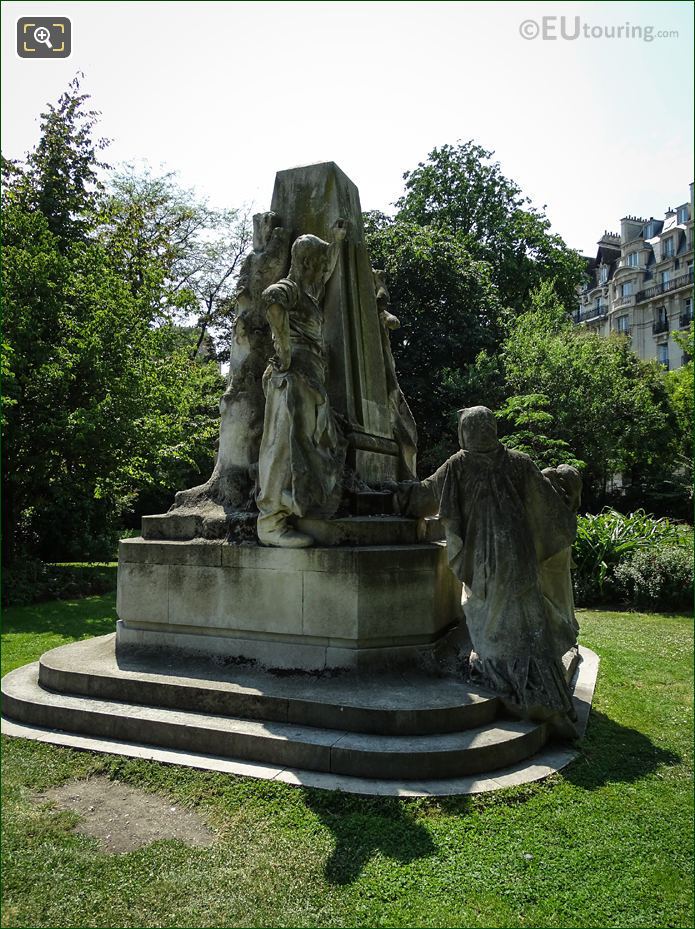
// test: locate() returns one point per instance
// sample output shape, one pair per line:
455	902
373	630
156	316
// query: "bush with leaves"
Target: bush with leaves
659	578
610	539
31	581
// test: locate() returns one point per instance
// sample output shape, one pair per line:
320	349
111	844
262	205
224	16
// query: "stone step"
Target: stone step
472	751
388	703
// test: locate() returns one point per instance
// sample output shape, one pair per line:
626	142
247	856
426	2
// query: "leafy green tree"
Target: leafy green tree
103	397
61	180
173	248
680	384
527	426
449	312
609	407
460	188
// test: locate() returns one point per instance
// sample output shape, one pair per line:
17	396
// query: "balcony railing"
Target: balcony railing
661	325
593	312
681	281
628	299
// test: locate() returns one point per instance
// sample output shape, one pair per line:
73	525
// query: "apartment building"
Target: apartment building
640	284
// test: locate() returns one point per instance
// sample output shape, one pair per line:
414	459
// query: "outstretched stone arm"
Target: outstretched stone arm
420	498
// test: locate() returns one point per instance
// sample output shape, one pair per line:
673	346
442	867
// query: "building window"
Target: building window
603	274
665	277
660	323
633	260
686	313
662	354
623	324
683	213
667	248
626	289
648	232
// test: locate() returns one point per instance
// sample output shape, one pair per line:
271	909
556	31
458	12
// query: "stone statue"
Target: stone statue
356	385
402	422
556	577
242	405
503	521
302	452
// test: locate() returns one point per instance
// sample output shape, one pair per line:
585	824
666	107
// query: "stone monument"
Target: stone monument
313	424
303	607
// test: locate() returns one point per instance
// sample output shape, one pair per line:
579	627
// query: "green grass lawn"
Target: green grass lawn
609	842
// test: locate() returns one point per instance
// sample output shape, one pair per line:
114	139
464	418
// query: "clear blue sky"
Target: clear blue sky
227	93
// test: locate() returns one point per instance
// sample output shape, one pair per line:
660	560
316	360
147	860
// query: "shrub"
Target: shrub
657	578
609	539
33	581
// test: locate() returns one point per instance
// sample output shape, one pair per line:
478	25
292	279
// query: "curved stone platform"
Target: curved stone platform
346	730
383	704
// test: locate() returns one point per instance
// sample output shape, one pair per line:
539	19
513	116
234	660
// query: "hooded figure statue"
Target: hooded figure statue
503	520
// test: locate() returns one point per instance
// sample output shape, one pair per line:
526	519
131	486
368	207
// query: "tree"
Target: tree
103	398
61	180
528	426
679	384
459	188
609	407
449	312
169	243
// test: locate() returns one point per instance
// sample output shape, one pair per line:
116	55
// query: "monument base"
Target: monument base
344	606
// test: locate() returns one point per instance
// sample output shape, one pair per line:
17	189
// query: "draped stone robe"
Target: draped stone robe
503	522
302	452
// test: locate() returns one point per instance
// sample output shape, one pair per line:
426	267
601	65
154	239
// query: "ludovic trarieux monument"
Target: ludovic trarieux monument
423	629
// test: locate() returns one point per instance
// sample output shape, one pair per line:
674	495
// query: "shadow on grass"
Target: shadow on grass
363	826
611	753
76	619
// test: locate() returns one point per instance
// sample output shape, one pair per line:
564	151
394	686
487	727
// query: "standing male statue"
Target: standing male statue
302	453
503	522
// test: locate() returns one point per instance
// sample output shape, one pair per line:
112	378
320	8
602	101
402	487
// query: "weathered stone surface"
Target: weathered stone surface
285	744
505	523
232	483
353	371
310	199
366	530
403	426
387	704
306	608
21	688
302	453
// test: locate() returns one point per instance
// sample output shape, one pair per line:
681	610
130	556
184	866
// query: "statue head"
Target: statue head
477	429
308	262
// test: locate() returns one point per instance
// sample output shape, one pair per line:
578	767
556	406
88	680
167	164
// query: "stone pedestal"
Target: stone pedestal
334	607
